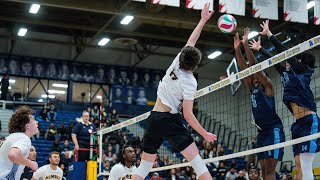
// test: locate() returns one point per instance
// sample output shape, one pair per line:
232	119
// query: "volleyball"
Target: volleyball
227	23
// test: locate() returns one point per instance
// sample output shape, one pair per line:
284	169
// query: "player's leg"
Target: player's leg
270	168
262	166
191	153
306	160
145	166
298	166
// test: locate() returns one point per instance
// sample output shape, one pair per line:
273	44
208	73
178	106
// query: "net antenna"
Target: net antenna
231	70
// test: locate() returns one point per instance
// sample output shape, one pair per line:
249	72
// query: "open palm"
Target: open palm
206	14
236	41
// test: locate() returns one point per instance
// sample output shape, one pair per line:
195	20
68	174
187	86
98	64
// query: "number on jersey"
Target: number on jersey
173	76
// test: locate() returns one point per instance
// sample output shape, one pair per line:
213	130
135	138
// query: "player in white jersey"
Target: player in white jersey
125	168
50	171
177	87
14	151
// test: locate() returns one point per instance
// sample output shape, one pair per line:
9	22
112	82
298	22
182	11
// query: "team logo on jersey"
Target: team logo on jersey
173	75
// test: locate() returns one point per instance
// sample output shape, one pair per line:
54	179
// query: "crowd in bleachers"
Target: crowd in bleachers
58	130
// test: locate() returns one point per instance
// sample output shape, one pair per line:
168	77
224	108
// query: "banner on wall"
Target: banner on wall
316	12
267	9
295	11
175	3
232	7
199	4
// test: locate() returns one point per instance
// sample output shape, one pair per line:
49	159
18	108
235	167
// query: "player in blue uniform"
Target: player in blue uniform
299	99
270	128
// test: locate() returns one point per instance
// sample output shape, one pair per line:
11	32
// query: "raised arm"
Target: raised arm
265	81
256	45
241	62
205	16
294	62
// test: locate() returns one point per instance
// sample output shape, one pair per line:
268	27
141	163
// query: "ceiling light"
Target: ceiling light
40	100
103	41
99	97
12	81
310	4
215	54
126	20
22	32
34	8
51	91
50	96
252	34
60	85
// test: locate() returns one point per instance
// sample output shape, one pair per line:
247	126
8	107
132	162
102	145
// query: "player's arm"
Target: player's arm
265	81
205	16
294	62
74	133
15	155
241	62
256	45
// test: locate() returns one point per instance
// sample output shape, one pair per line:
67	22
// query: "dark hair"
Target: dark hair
121	153
19	119
189	58
53	152
308	59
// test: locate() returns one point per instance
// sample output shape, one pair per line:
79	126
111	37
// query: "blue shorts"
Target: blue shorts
305	126
270	137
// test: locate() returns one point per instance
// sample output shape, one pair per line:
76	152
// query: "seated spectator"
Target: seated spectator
193	177
66	159
51	132
115	141
114	117
97	123
173	175
284	171
55	146
231	174
44	112
69	130
136	142
89	110
66	146
109	156
241	176
95	112
105	145
107	166
114	160
62	166
155	176
187	172
104	113
52	113
62	132
222	171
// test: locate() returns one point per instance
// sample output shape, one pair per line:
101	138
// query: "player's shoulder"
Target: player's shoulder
118	166
59	170
189	79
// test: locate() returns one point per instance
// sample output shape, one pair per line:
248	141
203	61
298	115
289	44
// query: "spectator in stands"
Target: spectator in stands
64	170
138	161
104	113
105	145
114	117
44	112
284	170
52	113
222	171
241	176
95	112
193	176
254	173
27	171
69	130
62	132
251	158
66	146
173	175
66	159
4	87
55	146
81	136
51	132
231	174
109	156
187	172
136	142
114	160
155	176
107	166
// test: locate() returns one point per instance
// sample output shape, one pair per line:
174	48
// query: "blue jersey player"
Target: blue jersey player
299	99
270	128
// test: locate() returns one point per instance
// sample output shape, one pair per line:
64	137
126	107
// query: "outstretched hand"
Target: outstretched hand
206	14
210	137
246	32
236	41
265	28
255	45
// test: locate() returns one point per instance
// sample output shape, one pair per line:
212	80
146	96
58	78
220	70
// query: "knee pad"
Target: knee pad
144	168
306	160
198	165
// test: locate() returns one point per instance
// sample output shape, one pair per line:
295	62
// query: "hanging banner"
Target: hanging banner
199	4
266	9
295	11
175	3
317	12
236	7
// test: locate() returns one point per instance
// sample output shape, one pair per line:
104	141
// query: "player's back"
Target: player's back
9	170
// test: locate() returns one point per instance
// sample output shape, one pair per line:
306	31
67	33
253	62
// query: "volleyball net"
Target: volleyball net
229	116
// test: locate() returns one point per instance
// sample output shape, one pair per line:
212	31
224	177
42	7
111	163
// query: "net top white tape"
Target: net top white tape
306	45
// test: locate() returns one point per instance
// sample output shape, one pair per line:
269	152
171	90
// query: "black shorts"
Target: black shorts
165	126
